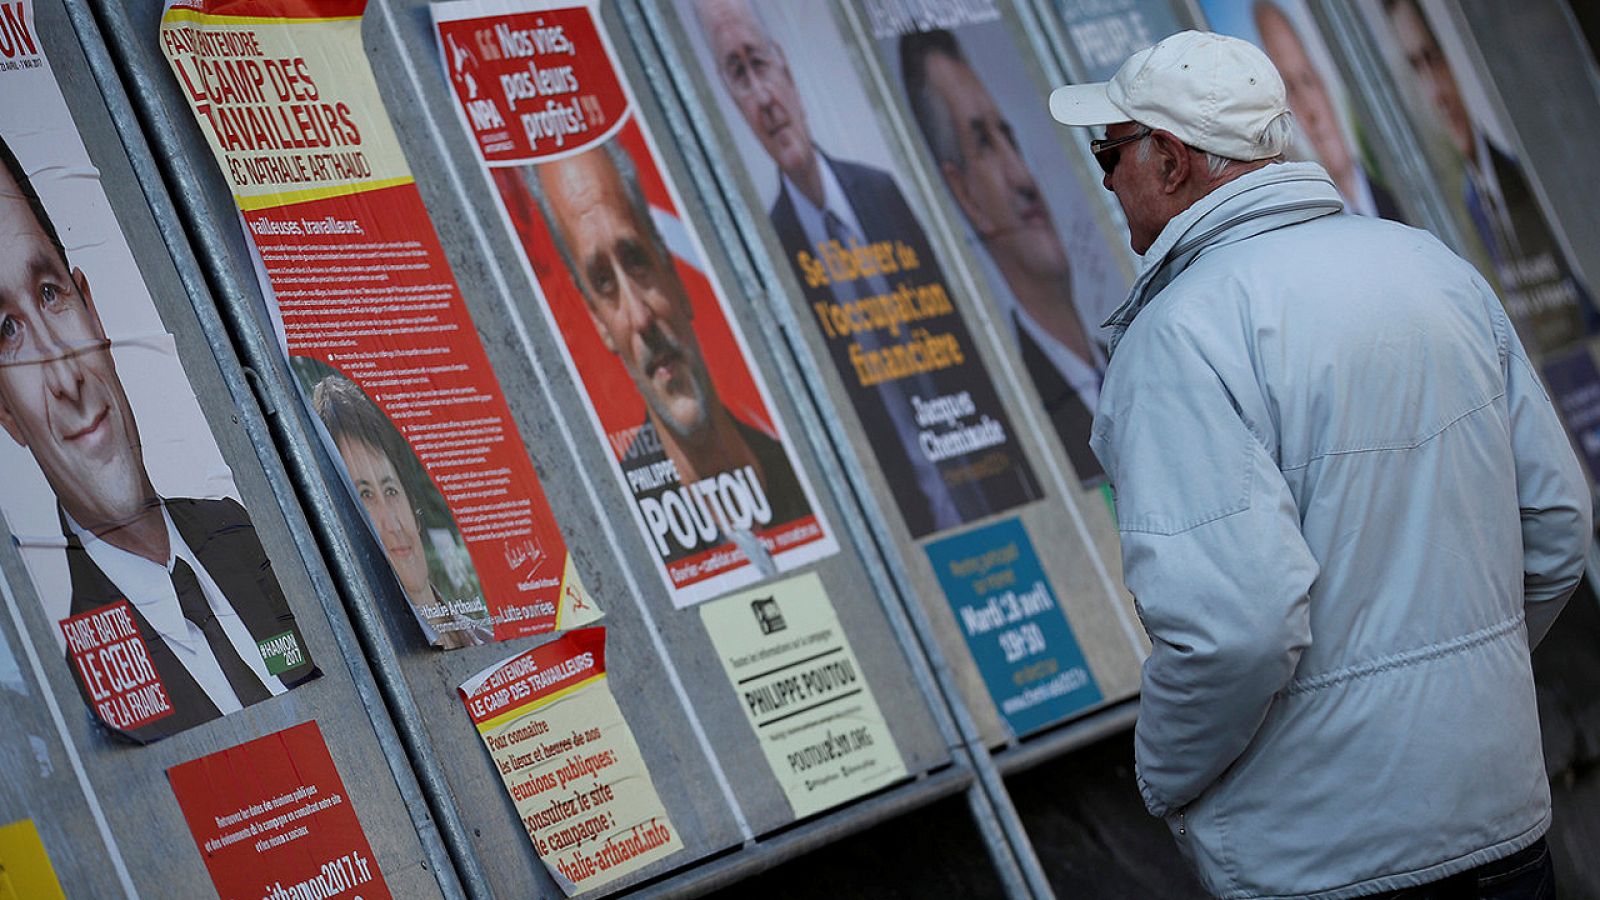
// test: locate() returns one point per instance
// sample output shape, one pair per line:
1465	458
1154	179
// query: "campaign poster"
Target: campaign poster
272	819
1327	129
127	517
1014	626
803	692
678	410
371	316
1575	387
830	187
570	762
24	864
1104	33
1474	151
1053	270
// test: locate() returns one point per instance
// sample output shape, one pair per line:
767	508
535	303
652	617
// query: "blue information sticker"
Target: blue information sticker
1014	626
1575	387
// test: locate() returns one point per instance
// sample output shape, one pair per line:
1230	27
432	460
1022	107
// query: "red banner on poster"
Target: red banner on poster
272	819
531	84
114	667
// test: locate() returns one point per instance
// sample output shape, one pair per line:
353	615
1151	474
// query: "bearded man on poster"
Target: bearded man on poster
600	222
201	590
1347	509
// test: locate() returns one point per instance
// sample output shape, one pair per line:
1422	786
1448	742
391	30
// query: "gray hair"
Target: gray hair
929	110
637	204
1275	138
756	18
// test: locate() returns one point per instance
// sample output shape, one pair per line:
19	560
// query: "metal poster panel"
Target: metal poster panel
126	514
680	412
1474	152
1104	33
1327	129
1051	267
371	317
874	290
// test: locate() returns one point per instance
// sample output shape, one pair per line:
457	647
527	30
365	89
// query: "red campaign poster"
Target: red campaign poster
273	821
371	317
677	407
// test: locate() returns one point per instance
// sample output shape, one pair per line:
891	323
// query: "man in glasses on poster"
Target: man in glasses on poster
1347	508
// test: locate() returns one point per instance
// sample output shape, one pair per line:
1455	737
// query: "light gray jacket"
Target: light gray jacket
1340	485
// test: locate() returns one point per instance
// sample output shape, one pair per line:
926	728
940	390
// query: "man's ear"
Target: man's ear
9	422
599	326
956	180
81	281
1175	162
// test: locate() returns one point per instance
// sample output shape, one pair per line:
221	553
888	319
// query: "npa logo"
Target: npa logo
18	49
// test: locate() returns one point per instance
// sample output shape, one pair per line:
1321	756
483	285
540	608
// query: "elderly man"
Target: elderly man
1315	112
601	225
990	181
1347	508
1541	291
824	202
202	594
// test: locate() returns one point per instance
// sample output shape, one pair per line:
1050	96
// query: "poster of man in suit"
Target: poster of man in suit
168	610
1326	128
1492	187
872	283
1052	270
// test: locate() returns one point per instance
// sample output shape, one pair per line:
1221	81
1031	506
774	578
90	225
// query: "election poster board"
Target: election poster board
1104	33
1327	129
570	762
831	195
127	517
1014	625
272	819
1474	152
678	409
371	317
1051	267
803	692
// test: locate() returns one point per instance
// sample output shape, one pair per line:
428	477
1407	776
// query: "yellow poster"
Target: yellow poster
25	870
803	692
570	762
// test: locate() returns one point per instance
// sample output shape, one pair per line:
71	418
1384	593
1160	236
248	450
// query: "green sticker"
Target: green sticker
281	653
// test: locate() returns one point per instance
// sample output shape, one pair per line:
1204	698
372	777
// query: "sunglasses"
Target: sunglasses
1107	151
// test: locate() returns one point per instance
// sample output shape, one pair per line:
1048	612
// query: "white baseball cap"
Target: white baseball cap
1213	92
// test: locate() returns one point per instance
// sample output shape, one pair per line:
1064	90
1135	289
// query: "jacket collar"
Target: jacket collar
1264	200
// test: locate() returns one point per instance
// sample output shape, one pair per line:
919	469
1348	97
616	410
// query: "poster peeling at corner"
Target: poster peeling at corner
678	409
371	316
570	762
127	517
